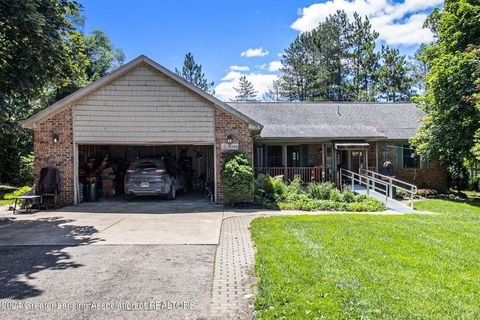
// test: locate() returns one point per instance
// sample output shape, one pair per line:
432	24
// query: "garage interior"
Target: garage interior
101	168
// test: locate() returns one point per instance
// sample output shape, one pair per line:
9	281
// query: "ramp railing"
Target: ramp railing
350	178
393	184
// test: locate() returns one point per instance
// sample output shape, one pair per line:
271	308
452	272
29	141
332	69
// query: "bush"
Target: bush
320	191
474	183
25	175
272	192
237	179
17	193
425	192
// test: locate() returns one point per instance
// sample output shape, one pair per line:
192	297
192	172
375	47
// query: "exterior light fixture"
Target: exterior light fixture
56	137
229	139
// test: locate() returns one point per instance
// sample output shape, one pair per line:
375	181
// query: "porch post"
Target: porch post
366	158
284	160
324	172
376	155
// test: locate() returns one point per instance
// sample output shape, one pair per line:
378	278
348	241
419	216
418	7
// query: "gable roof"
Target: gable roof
31	121
334	120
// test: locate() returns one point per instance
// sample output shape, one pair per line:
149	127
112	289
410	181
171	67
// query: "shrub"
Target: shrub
336	195
25	175
474	183
17	193
277	187
425	192
348	195
320	191
237	179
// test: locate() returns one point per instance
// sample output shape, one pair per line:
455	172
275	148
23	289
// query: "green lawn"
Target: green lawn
370	266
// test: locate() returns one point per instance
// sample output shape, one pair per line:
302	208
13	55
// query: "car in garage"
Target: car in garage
152	176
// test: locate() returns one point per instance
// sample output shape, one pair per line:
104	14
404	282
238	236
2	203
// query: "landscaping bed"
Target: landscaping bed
370	266
274	193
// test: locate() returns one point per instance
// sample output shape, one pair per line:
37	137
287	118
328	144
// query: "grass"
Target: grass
370	266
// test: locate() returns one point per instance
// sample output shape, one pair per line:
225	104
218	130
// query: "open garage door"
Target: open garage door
101	171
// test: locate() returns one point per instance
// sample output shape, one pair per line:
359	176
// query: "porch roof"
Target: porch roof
333	120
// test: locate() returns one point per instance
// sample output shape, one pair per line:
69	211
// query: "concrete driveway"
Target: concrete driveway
91	262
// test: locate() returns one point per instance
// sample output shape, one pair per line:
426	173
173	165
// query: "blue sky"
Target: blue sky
217	32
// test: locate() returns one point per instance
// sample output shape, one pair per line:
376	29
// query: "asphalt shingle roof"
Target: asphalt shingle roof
333	120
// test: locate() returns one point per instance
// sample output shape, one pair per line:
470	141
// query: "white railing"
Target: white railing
351	178
393	183
307	174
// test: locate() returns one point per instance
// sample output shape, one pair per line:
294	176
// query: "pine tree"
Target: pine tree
364	60
335	61
245	91
395	82
192	72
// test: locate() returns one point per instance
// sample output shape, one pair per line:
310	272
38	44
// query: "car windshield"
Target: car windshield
147	165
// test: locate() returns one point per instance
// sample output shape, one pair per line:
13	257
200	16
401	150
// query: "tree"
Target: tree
395	82
334	61
102	55
274	92
43	57
364	60
451	129
192	72
37	47
245	91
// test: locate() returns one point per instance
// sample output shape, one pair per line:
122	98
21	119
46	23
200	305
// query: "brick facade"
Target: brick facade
226	124
433	176
59	155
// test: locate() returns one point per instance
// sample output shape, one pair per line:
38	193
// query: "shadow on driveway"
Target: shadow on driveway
19	263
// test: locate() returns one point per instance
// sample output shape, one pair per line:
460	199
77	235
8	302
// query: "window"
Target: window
274	156
293	156
408	161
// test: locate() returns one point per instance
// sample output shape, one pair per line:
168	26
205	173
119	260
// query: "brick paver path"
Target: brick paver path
233	281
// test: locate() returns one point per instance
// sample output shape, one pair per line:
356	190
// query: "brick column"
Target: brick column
226	124
59	155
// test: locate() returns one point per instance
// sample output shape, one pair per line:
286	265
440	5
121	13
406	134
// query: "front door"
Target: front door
357	160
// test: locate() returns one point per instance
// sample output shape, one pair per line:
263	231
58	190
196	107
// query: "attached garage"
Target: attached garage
140	110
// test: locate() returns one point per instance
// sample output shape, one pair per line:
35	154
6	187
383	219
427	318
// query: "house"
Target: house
143	109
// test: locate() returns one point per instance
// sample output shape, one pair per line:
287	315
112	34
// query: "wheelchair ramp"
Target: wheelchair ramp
391	204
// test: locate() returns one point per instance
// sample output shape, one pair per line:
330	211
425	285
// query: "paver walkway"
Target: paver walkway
233	281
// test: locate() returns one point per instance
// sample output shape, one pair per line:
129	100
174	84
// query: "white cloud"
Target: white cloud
261	82
239	68
257	52
274	66
397	23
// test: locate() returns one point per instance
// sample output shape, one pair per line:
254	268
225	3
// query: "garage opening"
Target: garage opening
118	172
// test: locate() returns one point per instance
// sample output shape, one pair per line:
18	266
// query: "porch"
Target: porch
316	161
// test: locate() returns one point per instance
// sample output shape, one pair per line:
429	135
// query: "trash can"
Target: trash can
92	191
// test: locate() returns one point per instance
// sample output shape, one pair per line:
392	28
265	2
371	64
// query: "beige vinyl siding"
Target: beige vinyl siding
143	106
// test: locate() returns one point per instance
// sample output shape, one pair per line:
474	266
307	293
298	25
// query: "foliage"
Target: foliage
424	192
451	128
17	193
343	266
237	179
245	91
320	191
192	72
395	81
474	183
25	176
338	61
276	194
44	56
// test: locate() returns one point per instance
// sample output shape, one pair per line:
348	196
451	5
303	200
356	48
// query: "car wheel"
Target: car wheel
173	192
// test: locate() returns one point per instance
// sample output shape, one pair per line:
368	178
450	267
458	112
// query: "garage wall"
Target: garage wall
143	106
